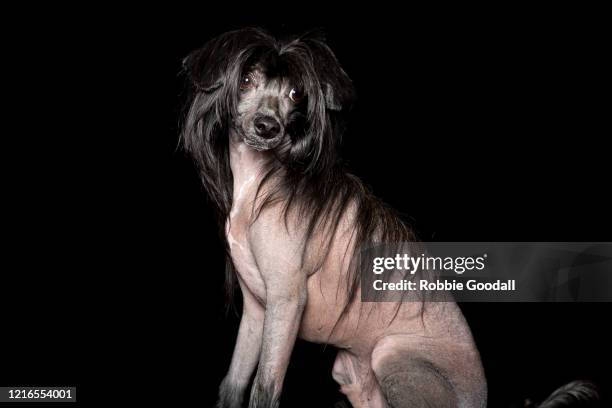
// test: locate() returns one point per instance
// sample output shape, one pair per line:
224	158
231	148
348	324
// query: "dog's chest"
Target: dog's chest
236	232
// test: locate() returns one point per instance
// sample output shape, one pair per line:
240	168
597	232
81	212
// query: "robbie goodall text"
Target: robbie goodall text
446	285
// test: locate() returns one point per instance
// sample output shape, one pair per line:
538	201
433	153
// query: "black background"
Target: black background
476	124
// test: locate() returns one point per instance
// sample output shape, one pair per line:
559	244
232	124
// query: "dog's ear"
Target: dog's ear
337	87
330	99
339	97
202	68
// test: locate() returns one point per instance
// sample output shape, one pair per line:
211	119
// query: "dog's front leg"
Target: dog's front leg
284	306
246	352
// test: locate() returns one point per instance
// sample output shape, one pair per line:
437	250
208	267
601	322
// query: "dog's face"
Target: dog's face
290	96
268	108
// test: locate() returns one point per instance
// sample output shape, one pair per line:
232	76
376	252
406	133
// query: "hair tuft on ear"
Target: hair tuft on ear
195	67
330	99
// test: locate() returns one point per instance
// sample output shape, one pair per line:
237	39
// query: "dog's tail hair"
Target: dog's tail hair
574	394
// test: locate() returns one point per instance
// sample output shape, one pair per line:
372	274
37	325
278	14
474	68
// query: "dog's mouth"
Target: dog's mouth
252	139
261	144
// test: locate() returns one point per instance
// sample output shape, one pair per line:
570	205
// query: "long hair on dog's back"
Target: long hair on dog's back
306	175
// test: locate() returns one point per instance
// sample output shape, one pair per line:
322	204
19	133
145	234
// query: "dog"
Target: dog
263	124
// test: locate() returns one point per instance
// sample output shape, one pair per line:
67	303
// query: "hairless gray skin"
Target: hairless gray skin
412	360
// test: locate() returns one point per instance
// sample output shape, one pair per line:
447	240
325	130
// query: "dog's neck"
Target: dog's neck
248	166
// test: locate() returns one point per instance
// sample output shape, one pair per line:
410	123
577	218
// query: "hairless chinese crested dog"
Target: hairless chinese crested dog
264	123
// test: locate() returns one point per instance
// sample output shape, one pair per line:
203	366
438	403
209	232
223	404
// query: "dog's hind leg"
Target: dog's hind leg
409	381
415	371
415	384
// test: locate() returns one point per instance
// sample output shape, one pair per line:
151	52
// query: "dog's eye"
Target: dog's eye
247	82
296	95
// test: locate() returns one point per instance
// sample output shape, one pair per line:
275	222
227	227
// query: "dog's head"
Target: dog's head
284	95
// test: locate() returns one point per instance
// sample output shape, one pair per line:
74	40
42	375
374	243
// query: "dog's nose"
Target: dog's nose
267	127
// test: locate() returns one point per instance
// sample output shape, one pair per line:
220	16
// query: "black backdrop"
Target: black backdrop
478	125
